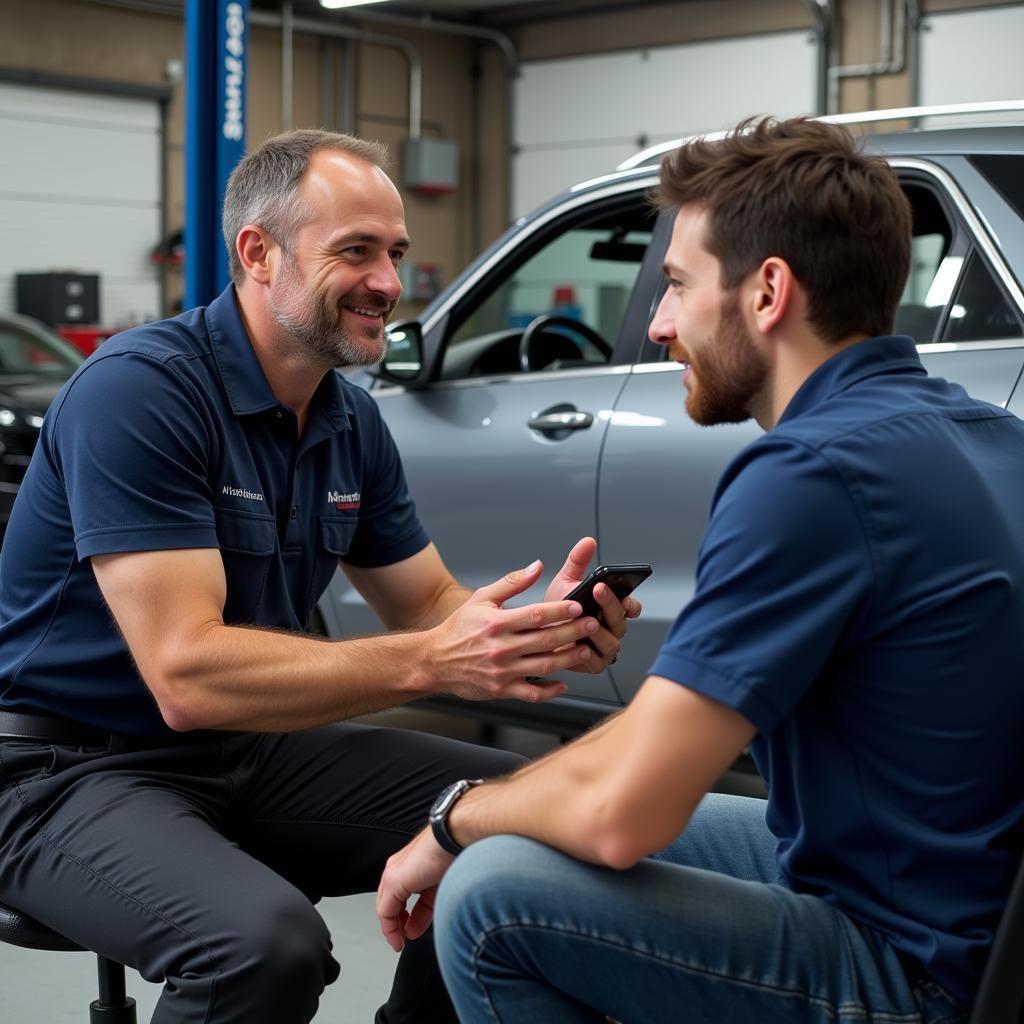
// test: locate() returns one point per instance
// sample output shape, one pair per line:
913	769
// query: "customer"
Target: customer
171	793
857	621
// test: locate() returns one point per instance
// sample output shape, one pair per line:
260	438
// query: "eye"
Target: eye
355	250
397	255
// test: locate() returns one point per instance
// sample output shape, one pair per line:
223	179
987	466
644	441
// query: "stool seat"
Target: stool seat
113	1005
18	929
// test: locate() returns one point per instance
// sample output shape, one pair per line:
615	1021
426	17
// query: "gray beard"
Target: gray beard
318	333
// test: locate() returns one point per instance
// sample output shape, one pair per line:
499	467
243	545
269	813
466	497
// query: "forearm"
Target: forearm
565	800
240	678
621	792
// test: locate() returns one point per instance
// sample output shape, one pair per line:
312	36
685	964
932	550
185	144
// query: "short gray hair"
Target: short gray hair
264	187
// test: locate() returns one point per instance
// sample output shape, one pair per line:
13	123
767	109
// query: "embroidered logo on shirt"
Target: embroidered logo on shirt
241	492
343	501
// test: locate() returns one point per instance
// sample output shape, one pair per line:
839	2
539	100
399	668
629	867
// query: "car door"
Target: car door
503	460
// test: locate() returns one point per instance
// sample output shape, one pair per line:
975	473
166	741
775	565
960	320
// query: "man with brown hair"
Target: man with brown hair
856	621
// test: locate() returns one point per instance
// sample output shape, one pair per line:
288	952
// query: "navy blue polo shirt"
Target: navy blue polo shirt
170	437
860	599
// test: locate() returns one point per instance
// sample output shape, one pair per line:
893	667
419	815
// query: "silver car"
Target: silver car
530	408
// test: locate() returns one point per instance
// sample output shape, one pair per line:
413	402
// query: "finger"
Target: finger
421	916
509	585
607	646
536	692
393	928
632	608
613	614
391	912
579	558
541	615
545	665
549	640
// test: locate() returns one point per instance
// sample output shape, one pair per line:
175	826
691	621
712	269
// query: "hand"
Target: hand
416	868
607	640
483	651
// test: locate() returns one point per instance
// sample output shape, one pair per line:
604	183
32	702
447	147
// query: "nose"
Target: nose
383	279
662	330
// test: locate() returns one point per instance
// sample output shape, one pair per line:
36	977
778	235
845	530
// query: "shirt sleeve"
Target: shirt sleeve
783	572
131	447
389	528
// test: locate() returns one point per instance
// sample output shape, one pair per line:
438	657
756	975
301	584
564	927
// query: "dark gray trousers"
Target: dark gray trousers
198	863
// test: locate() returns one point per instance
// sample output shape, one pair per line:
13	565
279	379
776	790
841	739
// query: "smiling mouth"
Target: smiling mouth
364	311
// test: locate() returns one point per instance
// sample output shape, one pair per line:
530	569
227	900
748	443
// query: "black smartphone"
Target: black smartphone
622	579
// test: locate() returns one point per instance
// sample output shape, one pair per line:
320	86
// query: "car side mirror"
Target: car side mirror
403	359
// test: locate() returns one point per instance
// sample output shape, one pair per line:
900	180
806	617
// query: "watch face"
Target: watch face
446	796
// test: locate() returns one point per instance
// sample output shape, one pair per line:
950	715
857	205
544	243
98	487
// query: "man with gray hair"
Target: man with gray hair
176	791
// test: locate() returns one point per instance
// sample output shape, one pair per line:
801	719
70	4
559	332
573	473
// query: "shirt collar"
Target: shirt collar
244	382
849	366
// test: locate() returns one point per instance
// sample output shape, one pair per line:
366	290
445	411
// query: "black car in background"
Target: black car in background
34	364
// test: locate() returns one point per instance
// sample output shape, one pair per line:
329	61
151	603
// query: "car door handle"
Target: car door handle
555	422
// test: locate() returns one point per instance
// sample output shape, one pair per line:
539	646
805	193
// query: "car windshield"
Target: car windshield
30	352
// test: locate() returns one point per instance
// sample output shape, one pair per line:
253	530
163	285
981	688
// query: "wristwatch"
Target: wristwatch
440	810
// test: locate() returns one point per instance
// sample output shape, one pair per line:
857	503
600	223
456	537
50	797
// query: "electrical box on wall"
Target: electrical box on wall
430	166
60	298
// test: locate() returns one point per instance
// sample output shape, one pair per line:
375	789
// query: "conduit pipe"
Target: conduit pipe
428	23
893	23
316	27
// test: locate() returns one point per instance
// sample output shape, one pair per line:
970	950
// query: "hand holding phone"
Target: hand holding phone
622	580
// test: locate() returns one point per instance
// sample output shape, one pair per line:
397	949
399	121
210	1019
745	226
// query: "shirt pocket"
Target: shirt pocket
247	545
334	538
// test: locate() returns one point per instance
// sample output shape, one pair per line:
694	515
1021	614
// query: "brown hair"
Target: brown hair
264	188
801	190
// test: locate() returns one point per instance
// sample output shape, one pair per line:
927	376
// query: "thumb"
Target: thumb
509	585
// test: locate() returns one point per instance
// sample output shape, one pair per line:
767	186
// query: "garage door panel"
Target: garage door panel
61	160
80	190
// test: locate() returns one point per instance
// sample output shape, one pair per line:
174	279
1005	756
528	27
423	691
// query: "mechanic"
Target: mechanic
173	794
856	621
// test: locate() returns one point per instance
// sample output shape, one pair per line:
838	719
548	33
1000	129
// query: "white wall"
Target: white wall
578	117
969	56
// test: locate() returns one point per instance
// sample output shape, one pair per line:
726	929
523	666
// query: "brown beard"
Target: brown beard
727	374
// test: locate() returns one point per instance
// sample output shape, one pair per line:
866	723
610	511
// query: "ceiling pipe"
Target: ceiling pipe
266	19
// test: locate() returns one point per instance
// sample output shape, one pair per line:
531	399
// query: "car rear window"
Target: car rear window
1006	174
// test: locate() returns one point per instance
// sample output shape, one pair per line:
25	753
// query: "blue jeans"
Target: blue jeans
703	933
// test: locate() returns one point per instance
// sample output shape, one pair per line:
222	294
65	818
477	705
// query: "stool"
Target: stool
113	1006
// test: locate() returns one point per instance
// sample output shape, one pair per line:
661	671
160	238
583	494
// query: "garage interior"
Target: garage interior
489	107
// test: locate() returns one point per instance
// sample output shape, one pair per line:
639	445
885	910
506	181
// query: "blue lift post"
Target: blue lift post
216	64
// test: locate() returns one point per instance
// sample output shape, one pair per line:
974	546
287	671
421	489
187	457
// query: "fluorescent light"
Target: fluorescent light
335	4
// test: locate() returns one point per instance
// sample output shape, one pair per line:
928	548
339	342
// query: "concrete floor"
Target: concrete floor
56	988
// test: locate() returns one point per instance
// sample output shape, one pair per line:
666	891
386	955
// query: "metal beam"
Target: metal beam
216	55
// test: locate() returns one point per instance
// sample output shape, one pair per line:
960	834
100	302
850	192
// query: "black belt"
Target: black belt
21	725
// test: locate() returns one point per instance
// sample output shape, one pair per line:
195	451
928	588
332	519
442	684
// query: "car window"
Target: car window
584	275
980	311
22	352
933	271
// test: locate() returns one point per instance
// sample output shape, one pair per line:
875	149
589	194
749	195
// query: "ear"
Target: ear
774	292
254	246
